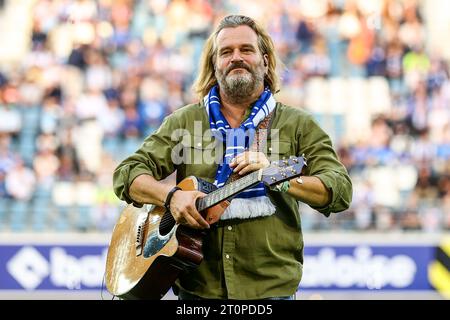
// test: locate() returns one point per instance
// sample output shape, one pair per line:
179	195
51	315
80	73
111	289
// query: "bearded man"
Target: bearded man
255	250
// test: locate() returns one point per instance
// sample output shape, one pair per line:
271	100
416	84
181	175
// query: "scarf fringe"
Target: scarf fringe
246	208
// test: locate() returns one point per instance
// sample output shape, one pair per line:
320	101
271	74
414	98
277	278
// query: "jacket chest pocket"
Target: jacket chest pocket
279	150
201	156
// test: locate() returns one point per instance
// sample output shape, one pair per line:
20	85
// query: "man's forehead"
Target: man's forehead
236	35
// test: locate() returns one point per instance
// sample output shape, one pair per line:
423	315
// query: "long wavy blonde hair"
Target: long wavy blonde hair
206	78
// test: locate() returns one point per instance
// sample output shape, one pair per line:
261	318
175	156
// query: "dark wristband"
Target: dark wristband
169	197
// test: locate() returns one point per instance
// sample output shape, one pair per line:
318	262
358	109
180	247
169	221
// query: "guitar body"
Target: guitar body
148	250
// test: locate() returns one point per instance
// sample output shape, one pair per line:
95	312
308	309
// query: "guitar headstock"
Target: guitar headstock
283	170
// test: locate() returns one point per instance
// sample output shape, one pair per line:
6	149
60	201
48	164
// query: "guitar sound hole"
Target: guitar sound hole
166	224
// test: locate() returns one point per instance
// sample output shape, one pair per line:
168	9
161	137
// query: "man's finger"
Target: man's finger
234	162
198	218
178	217
240	157
240	166
249	168
192	222
200	194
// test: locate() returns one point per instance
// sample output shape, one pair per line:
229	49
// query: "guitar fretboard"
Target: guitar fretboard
228	190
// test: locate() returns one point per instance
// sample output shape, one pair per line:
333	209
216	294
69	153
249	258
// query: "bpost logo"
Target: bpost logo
31	269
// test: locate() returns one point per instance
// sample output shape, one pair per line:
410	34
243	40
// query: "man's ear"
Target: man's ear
266	58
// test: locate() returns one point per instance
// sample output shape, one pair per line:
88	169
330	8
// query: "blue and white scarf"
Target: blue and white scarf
251	202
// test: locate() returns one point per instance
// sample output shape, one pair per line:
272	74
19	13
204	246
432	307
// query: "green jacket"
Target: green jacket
250	258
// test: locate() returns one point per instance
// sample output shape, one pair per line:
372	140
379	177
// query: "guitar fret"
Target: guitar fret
203	203
227	191
211	200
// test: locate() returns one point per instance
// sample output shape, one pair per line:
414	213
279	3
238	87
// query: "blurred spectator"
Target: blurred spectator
69	166
410	221
7	161
411	31
46	165
376	62
416	65
112	118
316	63
50	115
20	182
394	67
11	121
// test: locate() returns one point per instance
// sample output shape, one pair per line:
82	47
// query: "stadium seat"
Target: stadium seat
62	221
83	218
19	212
4	208
41	212
316	98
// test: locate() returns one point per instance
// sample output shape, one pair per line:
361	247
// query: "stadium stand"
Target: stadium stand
82	82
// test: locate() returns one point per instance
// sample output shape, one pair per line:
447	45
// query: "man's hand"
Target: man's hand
249	161
184	211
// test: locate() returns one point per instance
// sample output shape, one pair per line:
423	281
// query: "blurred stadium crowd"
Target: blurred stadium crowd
98	76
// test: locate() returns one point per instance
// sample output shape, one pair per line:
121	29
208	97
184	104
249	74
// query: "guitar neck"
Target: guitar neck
229	190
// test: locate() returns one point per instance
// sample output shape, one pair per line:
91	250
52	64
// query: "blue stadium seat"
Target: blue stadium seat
27	147
31	117
111	145
126	147
333	124
41	212
83	220
62	220
19	213
42	193
4	207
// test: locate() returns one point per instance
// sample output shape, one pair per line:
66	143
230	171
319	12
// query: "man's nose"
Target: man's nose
236	56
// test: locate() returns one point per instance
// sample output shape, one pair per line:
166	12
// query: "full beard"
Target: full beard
240	86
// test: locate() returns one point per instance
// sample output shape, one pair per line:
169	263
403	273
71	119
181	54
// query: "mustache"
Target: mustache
238	65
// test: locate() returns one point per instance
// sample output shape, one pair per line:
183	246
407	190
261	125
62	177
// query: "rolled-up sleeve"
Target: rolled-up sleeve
323	163
153	158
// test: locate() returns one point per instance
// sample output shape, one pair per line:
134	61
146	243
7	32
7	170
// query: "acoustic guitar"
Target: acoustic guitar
149	250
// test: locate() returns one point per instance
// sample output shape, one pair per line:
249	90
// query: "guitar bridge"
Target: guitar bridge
140	235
